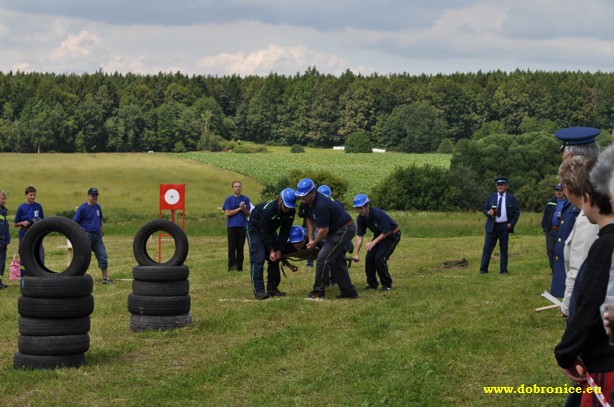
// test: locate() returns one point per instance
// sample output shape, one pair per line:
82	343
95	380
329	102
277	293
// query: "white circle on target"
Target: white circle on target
171	196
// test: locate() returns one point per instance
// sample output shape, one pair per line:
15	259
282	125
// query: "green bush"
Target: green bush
358	142
446	146
297	148
413	188
248	149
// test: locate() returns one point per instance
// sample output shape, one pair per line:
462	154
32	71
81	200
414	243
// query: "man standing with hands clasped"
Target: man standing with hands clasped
236	209
502	213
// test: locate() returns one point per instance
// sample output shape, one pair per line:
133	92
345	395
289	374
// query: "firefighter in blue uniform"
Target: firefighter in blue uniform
266	244
551	221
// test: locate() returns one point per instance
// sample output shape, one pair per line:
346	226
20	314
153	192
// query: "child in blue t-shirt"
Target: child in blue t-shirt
27	214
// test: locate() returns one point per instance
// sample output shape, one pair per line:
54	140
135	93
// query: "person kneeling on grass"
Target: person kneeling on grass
386	236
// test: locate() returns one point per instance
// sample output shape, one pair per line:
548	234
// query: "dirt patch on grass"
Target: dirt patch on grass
454	264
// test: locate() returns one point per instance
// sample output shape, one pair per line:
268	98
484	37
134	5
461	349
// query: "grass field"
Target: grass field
436	339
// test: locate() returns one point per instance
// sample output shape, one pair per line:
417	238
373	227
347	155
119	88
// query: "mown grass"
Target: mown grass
436	339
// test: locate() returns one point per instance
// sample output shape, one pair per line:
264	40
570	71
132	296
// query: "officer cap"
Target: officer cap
573	136
501	180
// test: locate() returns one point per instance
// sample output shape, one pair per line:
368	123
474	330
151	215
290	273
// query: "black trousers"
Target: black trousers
236	243
376	261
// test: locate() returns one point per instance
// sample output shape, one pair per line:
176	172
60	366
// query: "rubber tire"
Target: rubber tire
55	308
57	287
21	361
31	243
156	305
51	327
139	245
161	288
58	345
140	323
160	273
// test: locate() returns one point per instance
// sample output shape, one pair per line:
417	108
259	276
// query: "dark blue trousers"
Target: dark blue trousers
258	254
501	233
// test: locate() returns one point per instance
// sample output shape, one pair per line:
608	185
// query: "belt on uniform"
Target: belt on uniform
554	227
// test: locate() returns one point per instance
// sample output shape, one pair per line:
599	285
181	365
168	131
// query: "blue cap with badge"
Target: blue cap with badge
573	136
559	187
501	180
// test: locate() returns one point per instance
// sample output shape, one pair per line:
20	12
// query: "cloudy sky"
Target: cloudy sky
257	37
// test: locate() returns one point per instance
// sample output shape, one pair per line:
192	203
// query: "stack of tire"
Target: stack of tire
54	307
160	297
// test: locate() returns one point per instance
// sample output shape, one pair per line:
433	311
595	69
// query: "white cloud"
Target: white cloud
83	44
274	58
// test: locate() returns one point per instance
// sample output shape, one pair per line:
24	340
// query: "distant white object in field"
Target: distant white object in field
378	150
339	148
150	151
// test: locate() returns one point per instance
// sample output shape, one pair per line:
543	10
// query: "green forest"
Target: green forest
101	112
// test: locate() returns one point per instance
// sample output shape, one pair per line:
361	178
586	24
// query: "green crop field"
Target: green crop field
441	335
363	171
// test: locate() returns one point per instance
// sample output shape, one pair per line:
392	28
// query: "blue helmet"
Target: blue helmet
288	197
297	234
325	189
304	187
360	200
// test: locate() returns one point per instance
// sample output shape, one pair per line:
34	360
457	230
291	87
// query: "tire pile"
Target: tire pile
159	298
54	307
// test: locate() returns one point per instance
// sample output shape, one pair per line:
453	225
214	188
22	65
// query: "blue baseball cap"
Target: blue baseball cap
573	136
92	191
559	187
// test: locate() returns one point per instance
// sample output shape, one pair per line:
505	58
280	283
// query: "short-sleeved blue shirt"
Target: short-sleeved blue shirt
238	220
377	222
28	212
327	213
89	217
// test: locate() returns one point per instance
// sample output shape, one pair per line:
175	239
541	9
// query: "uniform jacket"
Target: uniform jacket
266	218
511	206
548	214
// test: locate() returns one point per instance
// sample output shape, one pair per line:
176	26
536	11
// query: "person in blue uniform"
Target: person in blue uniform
335	225
551	221
5	235
89	216
386	237
27	214
502	212
236	209
265	243
575	141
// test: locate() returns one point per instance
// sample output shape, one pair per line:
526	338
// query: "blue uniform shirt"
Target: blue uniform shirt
377	221
237	220
327	213
266	218
89	217
28	212
5	233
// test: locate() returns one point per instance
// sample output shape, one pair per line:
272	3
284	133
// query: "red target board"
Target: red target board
172	196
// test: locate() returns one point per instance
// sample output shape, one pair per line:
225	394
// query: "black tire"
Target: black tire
161	288
53	345
155	322
30	247
139	246
155	305
160	273
57	287
21	361
55	308
43	327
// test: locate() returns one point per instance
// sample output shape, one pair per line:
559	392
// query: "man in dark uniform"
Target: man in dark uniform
502	212
336	226
386	236
575	141
552	220
265	244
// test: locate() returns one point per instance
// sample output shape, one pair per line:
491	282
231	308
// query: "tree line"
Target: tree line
101	112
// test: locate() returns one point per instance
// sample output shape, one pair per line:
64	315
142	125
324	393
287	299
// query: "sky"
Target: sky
259	37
